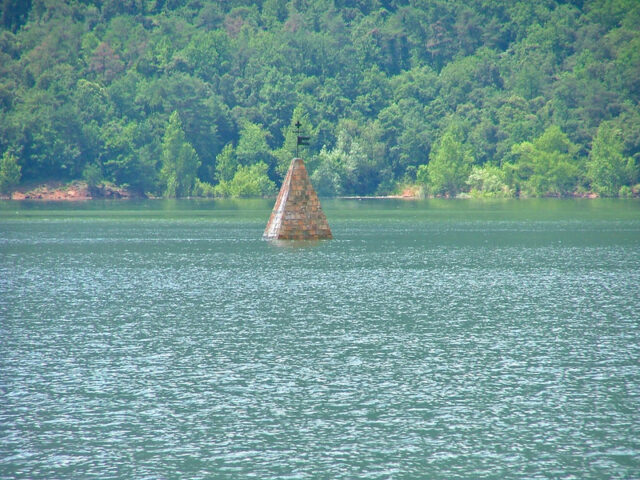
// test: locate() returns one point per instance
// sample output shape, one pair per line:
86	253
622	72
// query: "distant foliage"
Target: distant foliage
608	169
226	164
10	172
544	95
248	181
449	164
92	174
488	181
179	160
327	177
546	166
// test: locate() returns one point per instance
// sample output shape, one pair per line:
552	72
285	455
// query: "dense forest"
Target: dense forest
198	97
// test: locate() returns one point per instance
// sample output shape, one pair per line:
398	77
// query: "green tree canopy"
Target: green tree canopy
607	168
179	160
226	164
10	172
94	83
449	163
248	181
546	166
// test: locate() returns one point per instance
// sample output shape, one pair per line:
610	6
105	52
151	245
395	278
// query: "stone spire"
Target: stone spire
297	214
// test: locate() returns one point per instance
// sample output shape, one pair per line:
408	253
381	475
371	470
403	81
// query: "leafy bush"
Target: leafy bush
625	192
607	168
92	174
248	181
488	181
449	164
546	166
9	172
203	189
376	83
179	160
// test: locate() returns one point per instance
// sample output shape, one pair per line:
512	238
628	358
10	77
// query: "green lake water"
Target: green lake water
428	340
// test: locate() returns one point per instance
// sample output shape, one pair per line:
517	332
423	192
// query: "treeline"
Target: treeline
197	97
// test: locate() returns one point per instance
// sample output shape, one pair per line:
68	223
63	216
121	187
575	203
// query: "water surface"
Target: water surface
434	339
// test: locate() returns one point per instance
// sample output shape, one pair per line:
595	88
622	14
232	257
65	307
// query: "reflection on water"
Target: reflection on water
436	339
296	244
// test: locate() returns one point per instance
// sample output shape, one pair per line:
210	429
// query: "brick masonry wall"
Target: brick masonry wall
297	214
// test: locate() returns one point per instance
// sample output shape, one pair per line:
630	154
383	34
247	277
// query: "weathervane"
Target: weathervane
301	140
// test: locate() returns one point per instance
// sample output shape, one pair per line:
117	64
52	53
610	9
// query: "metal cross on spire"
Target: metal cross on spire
301	139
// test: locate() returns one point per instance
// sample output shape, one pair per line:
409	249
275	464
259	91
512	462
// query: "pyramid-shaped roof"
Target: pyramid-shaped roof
297	214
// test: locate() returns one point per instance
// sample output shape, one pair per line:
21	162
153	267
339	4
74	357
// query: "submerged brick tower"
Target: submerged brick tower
297	214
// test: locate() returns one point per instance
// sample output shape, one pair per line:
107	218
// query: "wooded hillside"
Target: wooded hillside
183	97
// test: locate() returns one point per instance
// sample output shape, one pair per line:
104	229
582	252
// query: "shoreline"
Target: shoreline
75	191
79	191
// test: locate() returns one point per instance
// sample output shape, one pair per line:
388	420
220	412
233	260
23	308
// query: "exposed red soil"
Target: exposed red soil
74	191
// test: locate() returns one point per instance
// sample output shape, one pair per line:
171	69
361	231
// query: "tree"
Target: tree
226	164
248	181
607	168
105	62
327	178
179	160
422	174
357	173
208	53
9	172
86	82
488	181
546	166
361	177
253	147
91	102
449	164
14	13
129	154
92	174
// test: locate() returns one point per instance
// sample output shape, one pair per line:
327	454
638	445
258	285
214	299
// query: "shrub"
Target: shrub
248	181
10	172
488	181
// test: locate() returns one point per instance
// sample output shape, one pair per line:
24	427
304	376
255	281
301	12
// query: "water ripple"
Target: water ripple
401	350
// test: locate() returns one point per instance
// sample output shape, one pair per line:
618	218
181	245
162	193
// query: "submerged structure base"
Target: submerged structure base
297	214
